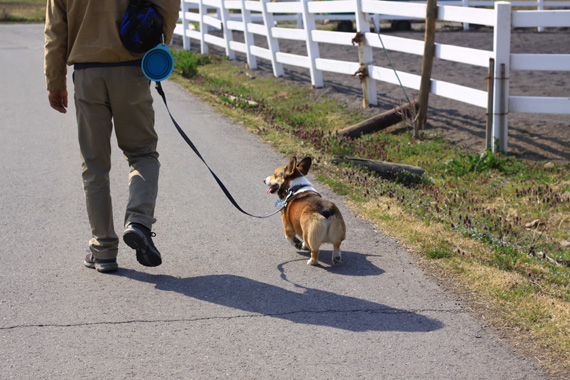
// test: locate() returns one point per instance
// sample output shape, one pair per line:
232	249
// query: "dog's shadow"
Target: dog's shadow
352	264
307	306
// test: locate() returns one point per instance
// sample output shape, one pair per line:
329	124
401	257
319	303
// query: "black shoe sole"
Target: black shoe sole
145	256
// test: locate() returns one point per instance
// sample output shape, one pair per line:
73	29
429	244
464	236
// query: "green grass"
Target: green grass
22	11
466	216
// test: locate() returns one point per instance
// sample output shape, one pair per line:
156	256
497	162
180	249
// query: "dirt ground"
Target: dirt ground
531	136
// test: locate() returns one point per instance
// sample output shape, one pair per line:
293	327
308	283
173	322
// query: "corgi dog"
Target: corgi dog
306	214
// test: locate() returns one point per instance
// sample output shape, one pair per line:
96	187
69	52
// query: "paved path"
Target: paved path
233	299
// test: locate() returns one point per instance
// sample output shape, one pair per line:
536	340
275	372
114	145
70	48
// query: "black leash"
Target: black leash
220	183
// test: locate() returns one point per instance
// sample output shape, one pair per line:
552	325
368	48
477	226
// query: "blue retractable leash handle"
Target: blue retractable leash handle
193	147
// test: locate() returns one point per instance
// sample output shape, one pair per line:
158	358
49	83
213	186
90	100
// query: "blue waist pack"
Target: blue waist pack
142	27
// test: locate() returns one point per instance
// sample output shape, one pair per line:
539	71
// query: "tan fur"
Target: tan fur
303	215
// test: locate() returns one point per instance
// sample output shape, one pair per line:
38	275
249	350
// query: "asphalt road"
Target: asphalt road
232	299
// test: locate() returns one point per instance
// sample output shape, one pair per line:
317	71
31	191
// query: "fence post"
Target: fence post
272	43
365	54
203	9
185	38
228	36
248	37
465	4
299	19
502	55
488	115
312	46
540	7
427	64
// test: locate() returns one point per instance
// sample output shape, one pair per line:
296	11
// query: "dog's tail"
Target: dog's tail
327	211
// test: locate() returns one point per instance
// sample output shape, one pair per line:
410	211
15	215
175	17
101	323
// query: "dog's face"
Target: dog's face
283	175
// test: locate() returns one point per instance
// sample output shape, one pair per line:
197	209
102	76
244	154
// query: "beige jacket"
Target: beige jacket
81	31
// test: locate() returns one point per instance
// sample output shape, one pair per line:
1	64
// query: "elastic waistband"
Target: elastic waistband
88	65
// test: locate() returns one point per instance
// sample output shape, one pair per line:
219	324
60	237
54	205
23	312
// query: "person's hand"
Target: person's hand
58	100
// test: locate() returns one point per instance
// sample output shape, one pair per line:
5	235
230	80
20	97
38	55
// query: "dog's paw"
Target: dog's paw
295	242
304	247
336	260
312	262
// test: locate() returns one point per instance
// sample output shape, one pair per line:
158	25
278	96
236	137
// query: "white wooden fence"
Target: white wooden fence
260	17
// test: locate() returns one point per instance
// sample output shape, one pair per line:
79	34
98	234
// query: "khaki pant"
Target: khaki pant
118	96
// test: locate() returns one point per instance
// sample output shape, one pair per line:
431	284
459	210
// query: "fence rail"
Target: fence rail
262	17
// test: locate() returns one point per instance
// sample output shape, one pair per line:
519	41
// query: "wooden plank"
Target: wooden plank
253	6
465	55
396	8
529	19
260	52
212	21
340	67
236	25
540	62
238	46
193	16
258	29
212	3
235	5
218	41
337	38
467	15
530	104
284	7
387	75
288	33
460	93
194	34
404	45
331	7
293	60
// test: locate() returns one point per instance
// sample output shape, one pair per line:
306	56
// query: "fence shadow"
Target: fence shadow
309	306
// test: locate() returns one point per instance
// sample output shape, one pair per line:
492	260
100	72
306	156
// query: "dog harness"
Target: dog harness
294	191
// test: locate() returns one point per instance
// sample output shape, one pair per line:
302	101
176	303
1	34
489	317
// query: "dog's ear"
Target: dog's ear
305	165
290	167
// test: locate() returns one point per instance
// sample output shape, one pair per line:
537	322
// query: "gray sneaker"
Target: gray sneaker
139	237
103	266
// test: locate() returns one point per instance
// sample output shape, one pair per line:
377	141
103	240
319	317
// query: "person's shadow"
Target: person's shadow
308	306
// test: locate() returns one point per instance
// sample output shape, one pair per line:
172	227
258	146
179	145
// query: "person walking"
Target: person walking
110	91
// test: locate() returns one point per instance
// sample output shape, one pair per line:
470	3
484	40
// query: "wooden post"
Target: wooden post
272	43
465	4
379	122
427	63
312	46
502	55
490	91
540	7
365	57
203	9
185	24
381	167
248	37
228	37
